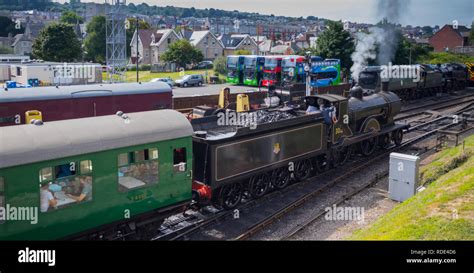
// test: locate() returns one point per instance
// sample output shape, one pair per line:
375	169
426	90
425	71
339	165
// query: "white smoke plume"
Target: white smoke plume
384	38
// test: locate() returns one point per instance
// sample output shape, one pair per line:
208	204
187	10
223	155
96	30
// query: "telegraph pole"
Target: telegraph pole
137	47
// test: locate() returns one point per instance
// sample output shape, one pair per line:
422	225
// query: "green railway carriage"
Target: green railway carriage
94	176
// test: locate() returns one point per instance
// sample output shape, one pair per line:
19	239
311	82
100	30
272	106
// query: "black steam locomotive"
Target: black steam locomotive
285	144
430	80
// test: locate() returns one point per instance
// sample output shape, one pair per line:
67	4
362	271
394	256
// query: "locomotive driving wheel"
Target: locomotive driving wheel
385	141
341	155
259	185
303	169
367	147
398	137
281	178
230	195
321	163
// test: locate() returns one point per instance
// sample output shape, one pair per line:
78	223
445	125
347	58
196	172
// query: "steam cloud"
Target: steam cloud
383	37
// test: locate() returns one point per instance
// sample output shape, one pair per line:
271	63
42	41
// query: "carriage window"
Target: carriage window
86	166
179	159
137	169
65	170
46	174
2	196
63	185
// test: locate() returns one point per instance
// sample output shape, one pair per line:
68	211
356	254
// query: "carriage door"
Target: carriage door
181	165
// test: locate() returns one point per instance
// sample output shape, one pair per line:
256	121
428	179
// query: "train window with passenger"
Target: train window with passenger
2	196
179	159
64	185
137	169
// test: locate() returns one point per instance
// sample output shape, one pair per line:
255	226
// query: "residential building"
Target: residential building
144	46
208	43
449	37
235	42
160	41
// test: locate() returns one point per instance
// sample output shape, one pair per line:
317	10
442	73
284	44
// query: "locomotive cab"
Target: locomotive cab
334	110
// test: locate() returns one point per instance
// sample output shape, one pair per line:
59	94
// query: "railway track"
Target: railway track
435	106
277	215
183	227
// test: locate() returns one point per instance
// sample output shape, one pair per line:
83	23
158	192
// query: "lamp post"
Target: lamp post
137	24
307	68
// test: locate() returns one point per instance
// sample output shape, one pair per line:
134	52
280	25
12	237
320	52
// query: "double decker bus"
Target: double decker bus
293	70
325	73
253	70
272	70
235	69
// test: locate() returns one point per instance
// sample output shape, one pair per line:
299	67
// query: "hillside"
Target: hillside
443	211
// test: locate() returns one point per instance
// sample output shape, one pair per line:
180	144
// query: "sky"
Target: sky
416	12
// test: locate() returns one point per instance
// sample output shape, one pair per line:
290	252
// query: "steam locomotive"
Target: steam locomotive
142	167
430	80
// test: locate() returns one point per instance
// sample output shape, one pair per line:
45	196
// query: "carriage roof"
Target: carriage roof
30	143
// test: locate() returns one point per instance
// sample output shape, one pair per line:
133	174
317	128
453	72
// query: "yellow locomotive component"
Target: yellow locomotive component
33	114
243	103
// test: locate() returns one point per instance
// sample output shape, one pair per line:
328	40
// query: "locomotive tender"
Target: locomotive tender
142	167
432	79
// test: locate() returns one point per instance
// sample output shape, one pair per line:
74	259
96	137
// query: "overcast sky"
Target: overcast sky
416	12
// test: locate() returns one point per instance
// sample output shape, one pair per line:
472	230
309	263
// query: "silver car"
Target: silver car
169	81
190	80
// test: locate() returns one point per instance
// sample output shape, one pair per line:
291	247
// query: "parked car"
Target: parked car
169	81
188	80
204	65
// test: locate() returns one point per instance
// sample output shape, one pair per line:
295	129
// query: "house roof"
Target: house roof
232	41
197	36
186	33
281	49
265	46
18	38
145	36
461	30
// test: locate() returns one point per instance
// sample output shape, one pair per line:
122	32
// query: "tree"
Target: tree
70	17
8	26
427	31
182	53
94	43
335	42
57	42
242	52
220	65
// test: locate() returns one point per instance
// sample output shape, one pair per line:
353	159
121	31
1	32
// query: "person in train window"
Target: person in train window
86	190
47	198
